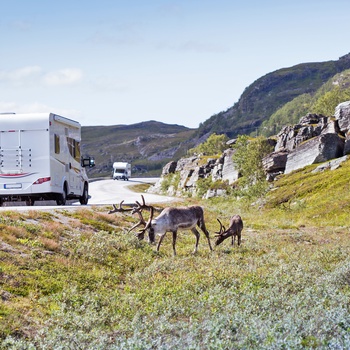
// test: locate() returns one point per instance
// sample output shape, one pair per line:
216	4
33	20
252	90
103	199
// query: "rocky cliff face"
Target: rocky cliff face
315	139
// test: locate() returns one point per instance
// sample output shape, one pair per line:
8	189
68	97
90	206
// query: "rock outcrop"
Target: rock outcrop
315	139
191	169
316	150
342	115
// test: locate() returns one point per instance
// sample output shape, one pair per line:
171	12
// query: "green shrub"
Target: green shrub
326	103
248	159
215	144
203	185
170	180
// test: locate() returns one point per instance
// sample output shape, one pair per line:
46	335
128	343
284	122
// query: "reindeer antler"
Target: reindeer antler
120	209
222	228
141	222
138	209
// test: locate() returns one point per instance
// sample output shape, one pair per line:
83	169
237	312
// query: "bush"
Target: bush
326	103
215	144
248	158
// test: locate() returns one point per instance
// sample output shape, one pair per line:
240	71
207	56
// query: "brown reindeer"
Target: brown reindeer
172	219
235	229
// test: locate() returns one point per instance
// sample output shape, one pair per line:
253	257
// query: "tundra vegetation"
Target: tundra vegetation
78	280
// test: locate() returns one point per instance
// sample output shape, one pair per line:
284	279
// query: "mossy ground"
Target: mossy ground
78	280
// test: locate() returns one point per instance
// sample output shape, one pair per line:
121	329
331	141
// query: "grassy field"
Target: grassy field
77	280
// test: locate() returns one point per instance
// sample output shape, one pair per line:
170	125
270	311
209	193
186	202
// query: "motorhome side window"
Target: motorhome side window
57	144
74	148
77	151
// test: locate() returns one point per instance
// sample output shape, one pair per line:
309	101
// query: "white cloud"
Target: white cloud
37	107
20	75
66	76
7	107
35	75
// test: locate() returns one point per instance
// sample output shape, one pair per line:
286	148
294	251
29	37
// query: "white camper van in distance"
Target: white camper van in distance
40	159
121	170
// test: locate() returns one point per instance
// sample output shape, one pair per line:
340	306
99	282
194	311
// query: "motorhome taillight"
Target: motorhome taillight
41	180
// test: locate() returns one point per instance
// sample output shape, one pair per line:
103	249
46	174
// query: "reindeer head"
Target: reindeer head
221	235
147	226
134	210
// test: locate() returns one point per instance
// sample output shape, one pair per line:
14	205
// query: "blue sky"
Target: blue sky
110	62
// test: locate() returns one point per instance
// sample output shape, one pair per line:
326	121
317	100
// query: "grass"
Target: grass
88	285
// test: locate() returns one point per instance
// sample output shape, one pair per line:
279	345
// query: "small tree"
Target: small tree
326	103
248	158
215	144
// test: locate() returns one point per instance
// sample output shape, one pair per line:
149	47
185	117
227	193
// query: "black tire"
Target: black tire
62	197
30	202
85	197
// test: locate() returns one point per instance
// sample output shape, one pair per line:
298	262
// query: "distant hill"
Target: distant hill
269	93
268	102
148	146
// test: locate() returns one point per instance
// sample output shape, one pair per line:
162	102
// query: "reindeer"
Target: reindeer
171	220
235	229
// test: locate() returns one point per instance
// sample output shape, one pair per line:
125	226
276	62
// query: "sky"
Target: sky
112	62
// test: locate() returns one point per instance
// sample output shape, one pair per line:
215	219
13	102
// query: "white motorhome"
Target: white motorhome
121	170
40	159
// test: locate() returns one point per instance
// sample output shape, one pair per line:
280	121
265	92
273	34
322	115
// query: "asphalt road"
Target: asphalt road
115	191
102	192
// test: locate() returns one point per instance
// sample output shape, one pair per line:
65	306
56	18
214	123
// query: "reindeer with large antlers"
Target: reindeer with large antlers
235	229
171	220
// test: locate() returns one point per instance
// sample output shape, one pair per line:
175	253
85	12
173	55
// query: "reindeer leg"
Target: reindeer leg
196	233
205	231
233	237
174	242
160	241
239	238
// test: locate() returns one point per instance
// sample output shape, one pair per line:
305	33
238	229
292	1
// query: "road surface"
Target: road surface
115	191
102	192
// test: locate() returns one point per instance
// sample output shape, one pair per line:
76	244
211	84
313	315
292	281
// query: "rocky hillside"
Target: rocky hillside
315	139
147	146
269	93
